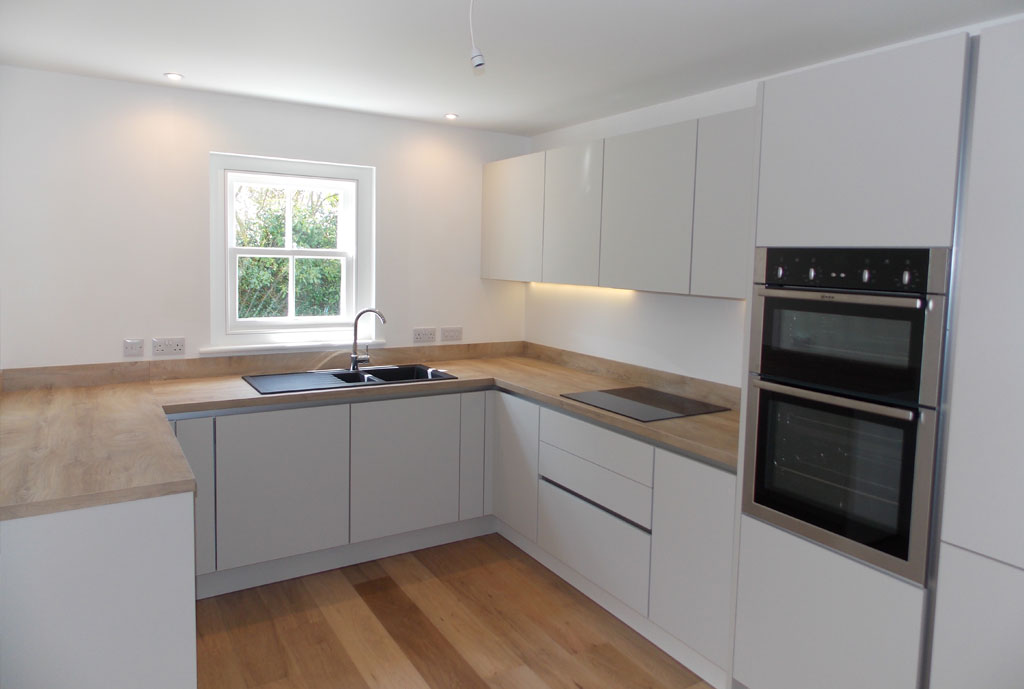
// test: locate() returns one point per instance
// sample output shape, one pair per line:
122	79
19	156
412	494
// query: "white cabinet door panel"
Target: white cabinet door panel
864	152
471	455
979	623
572	214
604	549
513	218
196	439
691	554
282	483
512	433
647	209
724	204
623	455
808	618
405	465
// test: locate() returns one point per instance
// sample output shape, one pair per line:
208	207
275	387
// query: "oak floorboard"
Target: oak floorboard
477	614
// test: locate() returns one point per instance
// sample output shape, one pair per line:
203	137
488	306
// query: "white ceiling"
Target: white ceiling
550	63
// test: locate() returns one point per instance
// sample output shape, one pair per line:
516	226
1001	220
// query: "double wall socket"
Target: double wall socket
168	345
424	335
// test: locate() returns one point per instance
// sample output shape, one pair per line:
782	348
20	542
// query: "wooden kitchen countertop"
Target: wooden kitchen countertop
69	448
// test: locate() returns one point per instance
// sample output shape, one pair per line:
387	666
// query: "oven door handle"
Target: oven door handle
856	405
871	300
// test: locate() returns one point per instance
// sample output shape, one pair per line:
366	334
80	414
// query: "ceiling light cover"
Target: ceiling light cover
173	76
451	116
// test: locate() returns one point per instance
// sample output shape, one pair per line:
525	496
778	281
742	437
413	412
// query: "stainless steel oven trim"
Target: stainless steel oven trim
910	302
938	270
914	568
931	351
836	401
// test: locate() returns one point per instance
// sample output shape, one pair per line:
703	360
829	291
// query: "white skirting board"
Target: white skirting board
701	666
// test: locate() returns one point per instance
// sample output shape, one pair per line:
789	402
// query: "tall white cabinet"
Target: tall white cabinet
979	616
864	152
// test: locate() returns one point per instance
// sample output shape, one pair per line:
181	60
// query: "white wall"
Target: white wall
104	215
694	336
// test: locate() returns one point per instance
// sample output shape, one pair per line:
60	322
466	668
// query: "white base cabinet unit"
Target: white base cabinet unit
282	483
979	622
808	618
99	597
196	439
511	470
865	151
691	554
405	465
513	219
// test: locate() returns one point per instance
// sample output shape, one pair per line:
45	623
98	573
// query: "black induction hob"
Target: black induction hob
644	404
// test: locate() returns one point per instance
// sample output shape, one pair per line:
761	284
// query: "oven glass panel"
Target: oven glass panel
846	471
871	350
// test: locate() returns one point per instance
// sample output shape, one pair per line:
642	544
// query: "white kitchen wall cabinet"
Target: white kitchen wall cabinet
807	617
512	436
982	506
405	465
724	204
513	218
196	439
282	483
472	444
647	209
691	554
572	213
979	622
864	152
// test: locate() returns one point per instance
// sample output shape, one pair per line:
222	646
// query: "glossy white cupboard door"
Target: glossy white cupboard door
691	554
979	623
724	204
807	618
471	454
572	213
282	483
512	433
983	510
196	439
864	152
405	465
513	218
647	209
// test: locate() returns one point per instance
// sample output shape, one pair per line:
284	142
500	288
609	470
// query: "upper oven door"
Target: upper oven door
881	347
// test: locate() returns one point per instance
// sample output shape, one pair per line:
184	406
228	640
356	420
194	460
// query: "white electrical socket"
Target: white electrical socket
424	335
451	333
168	345
133	347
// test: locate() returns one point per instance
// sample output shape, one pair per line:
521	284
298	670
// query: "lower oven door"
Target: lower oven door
852	475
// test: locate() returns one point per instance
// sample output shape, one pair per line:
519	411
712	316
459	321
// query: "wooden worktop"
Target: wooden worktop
69	448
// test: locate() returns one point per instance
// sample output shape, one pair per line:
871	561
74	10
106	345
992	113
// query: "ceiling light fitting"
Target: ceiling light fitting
476	57
173	76
451	116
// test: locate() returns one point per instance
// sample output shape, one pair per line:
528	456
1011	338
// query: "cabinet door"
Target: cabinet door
647	210
691	554
196	439
513	218
983	510
512	436
405	465
572	214
724	204
282	483
979	622
864	152
809	617
471	454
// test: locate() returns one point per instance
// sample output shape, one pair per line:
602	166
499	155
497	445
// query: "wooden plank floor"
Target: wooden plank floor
477	614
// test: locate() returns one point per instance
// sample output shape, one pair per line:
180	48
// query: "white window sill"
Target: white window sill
285	347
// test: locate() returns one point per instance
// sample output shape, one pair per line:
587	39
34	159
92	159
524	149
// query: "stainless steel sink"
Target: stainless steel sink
304	381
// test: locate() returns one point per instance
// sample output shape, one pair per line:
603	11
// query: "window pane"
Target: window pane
317	287
315	219
259	216
262	287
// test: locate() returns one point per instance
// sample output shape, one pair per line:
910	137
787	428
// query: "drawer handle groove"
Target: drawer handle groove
598	505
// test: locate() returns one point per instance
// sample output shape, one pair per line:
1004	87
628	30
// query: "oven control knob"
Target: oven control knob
811	273
778	272
906	277
865	275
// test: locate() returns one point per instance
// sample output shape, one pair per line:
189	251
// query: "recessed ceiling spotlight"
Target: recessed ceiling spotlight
173	76
451	116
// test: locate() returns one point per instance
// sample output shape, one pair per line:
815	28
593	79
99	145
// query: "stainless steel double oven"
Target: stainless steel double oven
846	361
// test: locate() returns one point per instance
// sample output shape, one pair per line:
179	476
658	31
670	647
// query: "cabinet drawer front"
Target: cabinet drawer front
604	549
617	493
626	456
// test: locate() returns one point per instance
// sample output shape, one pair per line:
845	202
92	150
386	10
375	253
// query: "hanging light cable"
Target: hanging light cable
476	57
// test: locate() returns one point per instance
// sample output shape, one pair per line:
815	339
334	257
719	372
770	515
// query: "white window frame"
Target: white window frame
227	331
